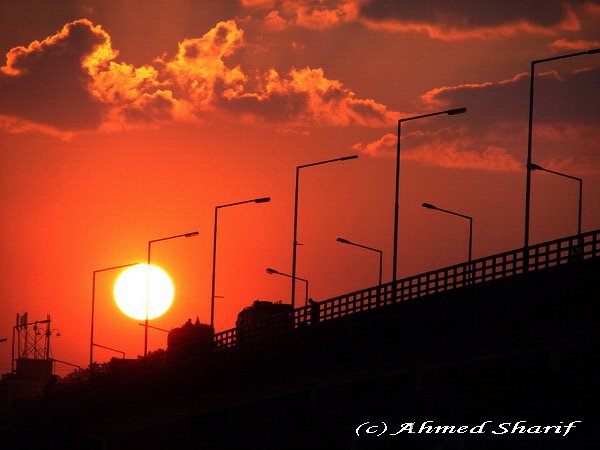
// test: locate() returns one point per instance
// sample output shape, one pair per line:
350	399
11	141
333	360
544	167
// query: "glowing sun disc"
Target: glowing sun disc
140	285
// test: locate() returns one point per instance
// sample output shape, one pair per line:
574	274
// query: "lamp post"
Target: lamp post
470	219
94	301
187	235
346	241
536	167
529	142
450	112
295	243
111	349
214	257
277	272
155	328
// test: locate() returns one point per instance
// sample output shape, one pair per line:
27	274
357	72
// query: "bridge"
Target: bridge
506	338
495	267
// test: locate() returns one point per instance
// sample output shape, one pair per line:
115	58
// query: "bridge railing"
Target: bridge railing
502	265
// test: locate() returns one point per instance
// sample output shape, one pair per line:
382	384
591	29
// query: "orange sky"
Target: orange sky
126	121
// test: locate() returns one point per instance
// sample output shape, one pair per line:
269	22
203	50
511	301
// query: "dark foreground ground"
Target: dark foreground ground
520	349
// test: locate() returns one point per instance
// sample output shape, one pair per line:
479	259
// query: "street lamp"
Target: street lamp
529	140
470	219
295	243
155	328
536	167
346	241
276	272
450	112
214	258
187	235
94	301
111	349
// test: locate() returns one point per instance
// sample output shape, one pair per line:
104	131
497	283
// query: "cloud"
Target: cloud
274	22
449	148
438	19
578	45
493	133
18	126
198	74
320	16
260	4
308	96
309	14
470	19
90	88
47	82
385	146
460	154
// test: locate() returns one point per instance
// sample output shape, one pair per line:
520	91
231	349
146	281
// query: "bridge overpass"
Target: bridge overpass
506	338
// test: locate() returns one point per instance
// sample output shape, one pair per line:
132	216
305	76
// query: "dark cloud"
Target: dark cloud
493	133
47	83
277	108
149	108
304	96
468	13
72	80
569	96
566	111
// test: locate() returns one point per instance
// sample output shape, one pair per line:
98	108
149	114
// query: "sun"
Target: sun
143	285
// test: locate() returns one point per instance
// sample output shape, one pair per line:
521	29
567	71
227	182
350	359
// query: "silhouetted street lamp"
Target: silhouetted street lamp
529	141
111	349
214	260
536	167
470	219
187	235
277	272
94	301
155	328
295	243
450	112
346	241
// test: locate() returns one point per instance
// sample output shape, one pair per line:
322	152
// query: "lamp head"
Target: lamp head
345	158
429	206
452	112
595	50
192	234
262	200
343	241
271	271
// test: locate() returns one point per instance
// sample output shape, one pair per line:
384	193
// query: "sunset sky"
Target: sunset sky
124	121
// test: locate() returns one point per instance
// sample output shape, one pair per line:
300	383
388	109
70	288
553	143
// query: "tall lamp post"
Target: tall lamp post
529	141
271	271
450	112
214	257
111	349
346	241
536	167
295	242
187	235
94	302
470	219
